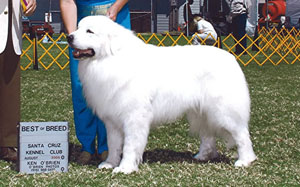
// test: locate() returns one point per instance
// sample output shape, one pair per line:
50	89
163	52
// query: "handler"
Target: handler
87	125
10	51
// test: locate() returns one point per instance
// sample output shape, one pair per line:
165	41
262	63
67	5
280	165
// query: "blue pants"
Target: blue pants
87	125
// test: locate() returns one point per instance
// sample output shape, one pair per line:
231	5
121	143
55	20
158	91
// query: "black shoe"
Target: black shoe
8	154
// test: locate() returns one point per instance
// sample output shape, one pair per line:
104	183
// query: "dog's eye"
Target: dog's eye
89	31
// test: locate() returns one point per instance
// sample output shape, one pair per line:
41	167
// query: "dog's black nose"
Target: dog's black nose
70	39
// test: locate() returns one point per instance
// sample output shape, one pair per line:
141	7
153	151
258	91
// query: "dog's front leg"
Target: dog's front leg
136	133
115	141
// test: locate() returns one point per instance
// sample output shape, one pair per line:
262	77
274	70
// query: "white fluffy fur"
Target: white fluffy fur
132	86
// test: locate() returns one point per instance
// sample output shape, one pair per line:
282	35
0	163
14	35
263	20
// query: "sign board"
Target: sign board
43	147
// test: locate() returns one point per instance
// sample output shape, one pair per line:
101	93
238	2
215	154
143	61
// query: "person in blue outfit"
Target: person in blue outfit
87	125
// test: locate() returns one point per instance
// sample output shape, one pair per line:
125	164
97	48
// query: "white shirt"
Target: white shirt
207	28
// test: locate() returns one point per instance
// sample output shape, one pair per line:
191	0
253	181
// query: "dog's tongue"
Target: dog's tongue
78	53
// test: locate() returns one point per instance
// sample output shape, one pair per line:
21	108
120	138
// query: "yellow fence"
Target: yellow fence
270	46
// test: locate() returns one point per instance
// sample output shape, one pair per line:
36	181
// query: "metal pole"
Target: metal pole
267	22
35	54
154	15
152	19
49	10
187	17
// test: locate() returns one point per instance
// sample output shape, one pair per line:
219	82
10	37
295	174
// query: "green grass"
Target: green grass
274	127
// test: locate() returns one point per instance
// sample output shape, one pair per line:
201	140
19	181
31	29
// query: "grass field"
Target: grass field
274	127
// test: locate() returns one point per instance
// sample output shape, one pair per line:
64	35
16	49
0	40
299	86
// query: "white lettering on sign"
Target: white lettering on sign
43	147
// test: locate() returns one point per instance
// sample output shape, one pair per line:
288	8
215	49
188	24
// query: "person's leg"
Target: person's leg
10	92
102	147
239	31
196	39
208	38
83	117
9	97
87	125
234	30
242	30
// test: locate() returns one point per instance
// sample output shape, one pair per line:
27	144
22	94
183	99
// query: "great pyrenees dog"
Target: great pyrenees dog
133	86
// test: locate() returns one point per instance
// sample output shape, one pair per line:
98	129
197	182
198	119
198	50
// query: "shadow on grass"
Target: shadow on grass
151	156
168	156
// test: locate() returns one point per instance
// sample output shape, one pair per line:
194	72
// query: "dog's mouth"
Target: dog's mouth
79	53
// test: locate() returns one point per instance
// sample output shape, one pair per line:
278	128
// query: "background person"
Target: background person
188	15
238	18
187	11
205	31
87	125
10	51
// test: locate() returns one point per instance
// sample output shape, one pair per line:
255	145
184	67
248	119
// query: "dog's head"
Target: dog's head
96	36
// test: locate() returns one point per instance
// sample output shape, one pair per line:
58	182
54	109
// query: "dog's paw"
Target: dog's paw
124	170
105	165
246	161
243	163
200	157
207	156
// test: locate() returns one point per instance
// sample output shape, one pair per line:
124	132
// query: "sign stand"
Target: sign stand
43	147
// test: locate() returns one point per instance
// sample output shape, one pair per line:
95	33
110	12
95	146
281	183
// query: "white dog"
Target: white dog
131	86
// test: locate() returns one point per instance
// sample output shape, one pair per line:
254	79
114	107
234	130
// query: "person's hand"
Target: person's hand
30	8
112	12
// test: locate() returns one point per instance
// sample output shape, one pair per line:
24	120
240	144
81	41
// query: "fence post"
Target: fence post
36	61
33	37
220	39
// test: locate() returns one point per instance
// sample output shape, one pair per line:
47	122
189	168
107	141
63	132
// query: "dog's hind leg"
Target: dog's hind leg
237	127
115	141
244	147
199	126
136	131
208	150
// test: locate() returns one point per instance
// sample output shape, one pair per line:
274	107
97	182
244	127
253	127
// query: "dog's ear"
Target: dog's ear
119	39
115	44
